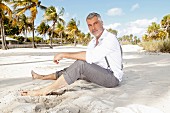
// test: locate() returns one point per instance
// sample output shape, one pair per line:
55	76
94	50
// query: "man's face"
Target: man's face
95	26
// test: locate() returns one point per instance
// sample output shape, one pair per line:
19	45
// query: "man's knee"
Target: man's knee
80	62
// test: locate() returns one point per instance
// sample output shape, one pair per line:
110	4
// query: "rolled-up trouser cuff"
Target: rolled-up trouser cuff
59	73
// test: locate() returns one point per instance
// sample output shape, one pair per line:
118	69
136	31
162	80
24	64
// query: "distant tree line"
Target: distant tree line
14	22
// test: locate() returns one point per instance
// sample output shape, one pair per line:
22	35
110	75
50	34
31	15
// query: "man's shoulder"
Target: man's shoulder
110	34
92	40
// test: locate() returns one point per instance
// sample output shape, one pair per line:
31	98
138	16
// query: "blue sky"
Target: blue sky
126	16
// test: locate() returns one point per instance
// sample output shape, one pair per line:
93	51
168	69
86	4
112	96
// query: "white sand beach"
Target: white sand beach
144	89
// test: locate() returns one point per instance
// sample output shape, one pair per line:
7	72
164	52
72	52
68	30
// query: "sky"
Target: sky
125	16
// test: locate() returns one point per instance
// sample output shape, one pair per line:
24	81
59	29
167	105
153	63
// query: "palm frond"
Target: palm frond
61	13
6	9
43	7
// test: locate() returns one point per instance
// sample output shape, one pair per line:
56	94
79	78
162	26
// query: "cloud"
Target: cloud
137	28
112	26
143	22
135	6
114	12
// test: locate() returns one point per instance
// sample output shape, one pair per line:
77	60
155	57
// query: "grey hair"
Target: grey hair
93	14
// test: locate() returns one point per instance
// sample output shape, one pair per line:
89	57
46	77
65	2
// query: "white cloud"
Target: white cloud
143	22
137	28
113	26
135	6
114	12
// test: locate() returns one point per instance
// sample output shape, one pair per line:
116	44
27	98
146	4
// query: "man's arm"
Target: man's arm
70	55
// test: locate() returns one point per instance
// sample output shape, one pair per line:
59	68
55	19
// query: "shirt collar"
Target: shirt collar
101	37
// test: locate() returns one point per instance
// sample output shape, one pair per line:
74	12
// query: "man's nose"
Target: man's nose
93	27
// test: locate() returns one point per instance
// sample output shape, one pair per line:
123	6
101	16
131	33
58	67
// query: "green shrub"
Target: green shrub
166	46
151	46
157	46
19	38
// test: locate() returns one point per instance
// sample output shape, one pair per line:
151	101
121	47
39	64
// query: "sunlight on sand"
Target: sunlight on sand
142	90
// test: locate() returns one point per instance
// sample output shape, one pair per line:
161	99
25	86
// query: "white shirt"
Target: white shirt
108	46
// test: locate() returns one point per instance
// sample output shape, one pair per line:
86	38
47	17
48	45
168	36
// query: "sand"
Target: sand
144	89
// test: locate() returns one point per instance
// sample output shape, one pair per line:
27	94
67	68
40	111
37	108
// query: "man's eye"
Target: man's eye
95	22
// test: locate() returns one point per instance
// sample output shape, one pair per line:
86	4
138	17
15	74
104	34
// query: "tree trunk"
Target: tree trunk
4	45
25	34
51	46
74	39
61	38
167	35
33	41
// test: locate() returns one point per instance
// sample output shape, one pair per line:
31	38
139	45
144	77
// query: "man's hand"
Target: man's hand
58	57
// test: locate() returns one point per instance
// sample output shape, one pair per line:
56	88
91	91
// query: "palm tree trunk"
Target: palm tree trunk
52	36
51	46
74	39
25	35
33	41
4	45
61	39
167	35
167	32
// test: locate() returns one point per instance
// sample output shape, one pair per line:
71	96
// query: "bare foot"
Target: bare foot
33	93
36	76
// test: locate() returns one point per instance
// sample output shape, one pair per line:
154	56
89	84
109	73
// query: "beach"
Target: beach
144	88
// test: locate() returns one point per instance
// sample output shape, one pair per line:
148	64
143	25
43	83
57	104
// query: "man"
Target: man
100	64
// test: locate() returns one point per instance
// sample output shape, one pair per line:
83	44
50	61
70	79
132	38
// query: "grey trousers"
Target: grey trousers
90	72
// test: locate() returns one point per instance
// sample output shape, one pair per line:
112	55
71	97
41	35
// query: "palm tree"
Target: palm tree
113	31
81	37
88	37
20	6
135	39
42	29
52	15
84	39
60	30
24	24
131	38
72	28
162	34
153	30
165	23
145	38
4	10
